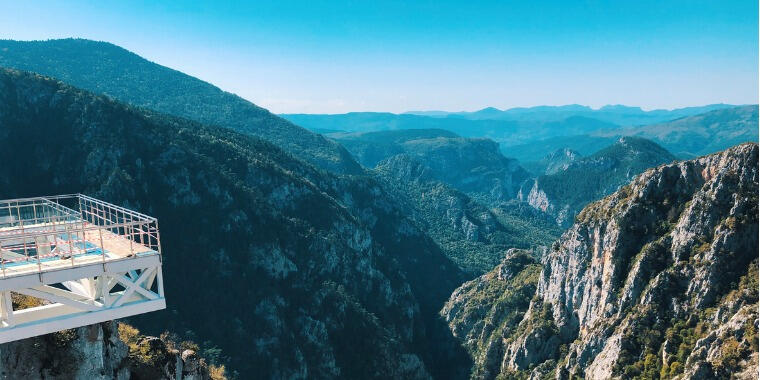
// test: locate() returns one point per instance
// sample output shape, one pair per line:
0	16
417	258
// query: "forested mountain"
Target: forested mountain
535	151
474	236
658	280
108	69
553	162
702	134
565	192
279	264
472	165
369	148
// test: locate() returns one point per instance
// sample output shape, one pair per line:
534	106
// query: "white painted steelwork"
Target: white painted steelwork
82	261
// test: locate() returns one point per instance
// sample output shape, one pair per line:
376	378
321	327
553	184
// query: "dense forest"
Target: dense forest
264	242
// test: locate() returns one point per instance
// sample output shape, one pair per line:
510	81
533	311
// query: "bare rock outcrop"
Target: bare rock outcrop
659	278
97	352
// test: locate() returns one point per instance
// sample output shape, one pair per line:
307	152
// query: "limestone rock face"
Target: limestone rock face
483	311
96	352
659	277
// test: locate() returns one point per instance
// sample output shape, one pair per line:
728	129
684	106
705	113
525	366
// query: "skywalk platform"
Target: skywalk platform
74	260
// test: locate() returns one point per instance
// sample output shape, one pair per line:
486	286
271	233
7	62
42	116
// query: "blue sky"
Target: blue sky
339	56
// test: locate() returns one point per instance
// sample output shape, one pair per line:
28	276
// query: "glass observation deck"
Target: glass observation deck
81	260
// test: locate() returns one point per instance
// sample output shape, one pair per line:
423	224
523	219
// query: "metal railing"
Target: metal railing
70	230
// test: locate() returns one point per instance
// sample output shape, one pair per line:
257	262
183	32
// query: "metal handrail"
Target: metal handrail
91	227
125	210
48	219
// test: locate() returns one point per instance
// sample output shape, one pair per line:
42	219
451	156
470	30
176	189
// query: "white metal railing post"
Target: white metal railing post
2	262
100	234
54	225
68	238
84	233
158	242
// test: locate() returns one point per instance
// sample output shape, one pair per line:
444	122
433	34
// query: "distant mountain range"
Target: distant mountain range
528	134
701	134
687	137
615	114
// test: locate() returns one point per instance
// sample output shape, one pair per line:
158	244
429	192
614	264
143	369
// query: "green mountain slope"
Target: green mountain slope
472	235
107	69
705	133
472	165
564	193
369	148
264	258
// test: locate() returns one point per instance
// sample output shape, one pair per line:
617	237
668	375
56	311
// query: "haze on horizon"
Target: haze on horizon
335	57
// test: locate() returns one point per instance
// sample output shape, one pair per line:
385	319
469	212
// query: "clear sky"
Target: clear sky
337	56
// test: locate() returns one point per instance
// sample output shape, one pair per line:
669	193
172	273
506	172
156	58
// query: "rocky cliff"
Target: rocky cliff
102	351
658	280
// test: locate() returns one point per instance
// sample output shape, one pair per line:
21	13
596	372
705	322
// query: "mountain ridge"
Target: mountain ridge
578	109
565	192
692	136
472	165
105	68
